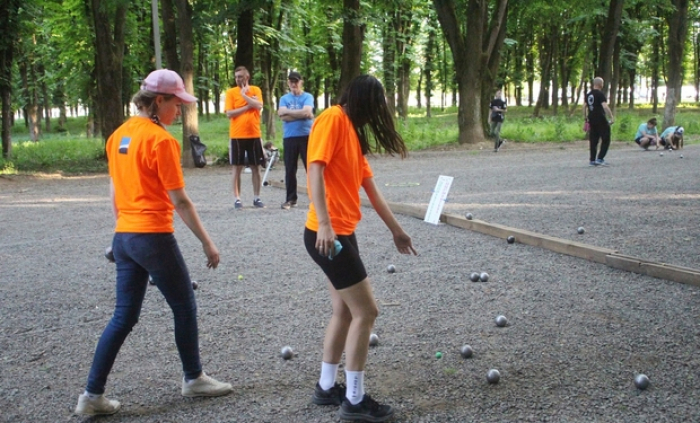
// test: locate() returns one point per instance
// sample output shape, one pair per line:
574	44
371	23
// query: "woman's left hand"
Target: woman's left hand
404	244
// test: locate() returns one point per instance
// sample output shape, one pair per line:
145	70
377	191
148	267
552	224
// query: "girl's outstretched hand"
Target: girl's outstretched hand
403	243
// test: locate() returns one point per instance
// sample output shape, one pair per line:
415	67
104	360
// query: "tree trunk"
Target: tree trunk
389	63
109	54
472	54
245	47
607	47
677	32
430	57
9	27
170	41
190	118
353	34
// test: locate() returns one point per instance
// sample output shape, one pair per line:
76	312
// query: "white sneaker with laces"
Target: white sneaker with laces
94	407
205	386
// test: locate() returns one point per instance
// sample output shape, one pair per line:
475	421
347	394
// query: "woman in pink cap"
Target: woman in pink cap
146	185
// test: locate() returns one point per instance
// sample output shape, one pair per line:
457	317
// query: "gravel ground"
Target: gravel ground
578	331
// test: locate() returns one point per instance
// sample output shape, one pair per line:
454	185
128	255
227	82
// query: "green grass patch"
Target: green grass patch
67	150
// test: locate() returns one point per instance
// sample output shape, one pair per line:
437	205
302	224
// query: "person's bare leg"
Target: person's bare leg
257	179
337	329
237	181
359	300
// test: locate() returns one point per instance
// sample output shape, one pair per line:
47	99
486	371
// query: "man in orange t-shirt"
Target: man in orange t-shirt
243	105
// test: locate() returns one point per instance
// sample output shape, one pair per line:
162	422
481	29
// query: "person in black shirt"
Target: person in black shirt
496	118
599	117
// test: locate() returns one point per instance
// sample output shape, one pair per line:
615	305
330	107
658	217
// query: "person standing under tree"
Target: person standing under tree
600	117
297	113
243	105
496	117
338	167
146	185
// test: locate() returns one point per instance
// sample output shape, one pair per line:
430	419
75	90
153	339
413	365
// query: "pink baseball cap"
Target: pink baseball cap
165	81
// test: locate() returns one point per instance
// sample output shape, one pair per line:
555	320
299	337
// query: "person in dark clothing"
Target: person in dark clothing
497	109
599	117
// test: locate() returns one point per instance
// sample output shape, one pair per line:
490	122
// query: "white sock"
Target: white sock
328	374
356	386
91	396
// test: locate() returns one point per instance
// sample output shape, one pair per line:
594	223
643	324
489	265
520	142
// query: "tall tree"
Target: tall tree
475	55
108	22
9	26
190	118
609	38
677	33
353	35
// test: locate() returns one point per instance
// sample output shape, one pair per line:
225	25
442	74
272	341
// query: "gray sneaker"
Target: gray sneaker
95	407
258	203
205	386
238	205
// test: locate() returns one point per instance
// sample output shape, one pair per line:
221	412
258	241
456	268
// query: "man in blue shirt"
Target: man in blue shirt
647	135
297	113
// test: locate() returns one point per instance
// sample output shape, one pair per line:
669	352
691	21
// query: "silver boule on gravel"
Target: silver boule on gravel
641	381
391	268
580	230
469	216
484	277
195	285
474	277
501	321
373	340
493	376
466	351
287	352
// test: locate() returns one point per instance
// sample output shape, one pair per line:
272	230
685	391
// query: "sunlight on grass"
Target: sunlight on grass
68	150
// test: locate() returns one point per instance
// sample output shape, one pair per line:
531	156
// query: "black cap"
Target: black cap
293	75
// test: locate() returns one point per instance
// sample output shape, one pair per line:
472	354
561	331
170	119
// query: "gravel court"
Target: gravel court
578	331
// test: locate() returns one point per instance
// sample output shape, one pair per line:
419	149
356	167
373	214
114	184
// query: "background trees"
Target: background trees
68	57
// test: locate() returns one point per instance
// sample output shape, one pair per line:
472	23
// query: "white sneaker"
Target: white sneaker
93	407
205	386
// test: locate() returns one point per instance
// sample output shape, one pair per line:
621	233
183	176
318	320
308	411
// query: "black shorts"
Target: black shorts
346	269
246	152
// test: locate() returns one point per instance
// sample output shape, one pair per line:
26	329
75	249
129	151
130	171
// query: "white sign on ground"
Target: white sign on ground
437	202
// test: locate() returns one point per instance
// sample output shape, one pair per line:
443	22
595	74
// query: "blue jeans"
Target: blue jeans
137	255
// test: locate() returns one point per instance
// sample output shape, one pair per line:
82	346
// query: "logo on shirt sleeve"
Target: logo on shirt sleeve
124	145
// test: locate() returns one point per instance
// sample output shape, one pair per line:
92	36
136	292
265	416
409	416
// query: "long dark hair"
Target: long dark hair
365	104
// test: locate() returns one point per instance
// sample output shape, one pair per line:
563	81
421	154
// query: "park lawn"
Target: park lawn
69	151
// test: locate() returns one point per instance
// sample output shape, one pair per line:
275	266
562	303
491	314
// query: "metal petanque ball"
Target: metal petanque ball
641	381
474	277
266	183
510	239
681	156
580	230
469	216
195	285
150	280
391	268
484	277
287	352
466	351
493	376
373	340
501	321
661	154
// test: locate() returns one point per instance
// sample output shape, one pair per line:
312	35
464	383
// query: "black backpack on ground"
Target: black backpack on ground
198	149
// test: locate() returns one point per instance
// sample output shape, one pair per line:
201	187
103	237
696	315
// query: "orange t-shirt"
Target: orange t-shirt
144	164
247	124
333	141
